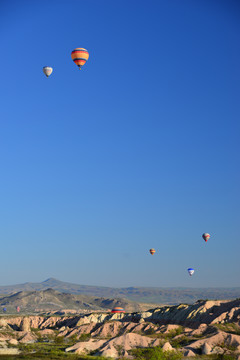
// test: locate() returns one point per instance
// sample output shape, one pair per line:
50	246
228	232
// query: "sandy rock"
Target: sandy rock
84	329
49	322
108	329
169	328
189	353
202	312
129	327
233	340
138	328
13	342
9	351
93	318
36	321
218	338
187	331
156	342
167	347
27	338
3	323
64	332
3	344
237	349
217	350
5	337
200	330
110	351
149	327
46	332
25	325
129	341
220	318
86	346
118	316
206	349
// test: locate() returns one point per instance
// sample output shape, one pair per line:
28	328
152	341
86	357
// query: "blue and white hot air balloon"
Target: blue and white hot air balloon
190	271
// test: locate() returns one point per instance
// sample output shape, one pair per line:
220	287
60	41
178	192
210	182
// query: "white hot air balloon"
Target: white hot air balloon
47	70
190	271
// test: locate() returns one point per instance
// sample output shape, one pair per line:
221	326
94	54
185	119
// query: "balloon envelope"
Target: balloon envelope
118	310
152	251
80	56
190	271
205	236
47	70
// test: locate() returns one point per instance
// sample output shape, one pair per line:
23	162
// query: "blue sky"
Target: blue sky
139	149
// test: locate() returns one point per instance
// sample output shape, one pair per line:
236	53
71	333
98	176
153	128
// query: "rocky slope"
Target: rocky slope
206	327
139	294
52	300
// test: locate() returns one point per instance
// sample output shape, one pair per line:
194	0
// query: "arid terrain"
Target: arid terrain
205	329
171	296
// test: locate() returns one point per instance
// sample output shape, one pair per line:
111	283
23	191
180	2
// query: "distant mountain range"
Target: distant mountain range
50	300
138	294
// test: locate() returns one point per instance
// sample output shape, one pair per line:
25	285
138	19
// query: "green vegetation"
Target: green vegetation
231	328
49	351
61	356
155	353
216	357
181	341
84	337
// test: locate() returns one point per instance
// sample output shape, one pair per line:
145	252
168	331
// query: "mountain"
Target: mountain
52	300
139	294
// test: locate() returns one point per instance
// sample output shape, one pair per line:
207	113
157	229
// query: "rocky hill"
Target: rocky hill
204	328
138	294
52	300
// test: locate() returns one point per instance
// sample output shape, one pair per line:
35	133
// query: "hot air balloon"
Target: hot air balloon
47	70
4	309
118	310
152	251
18	309
205	236
190	271
80	56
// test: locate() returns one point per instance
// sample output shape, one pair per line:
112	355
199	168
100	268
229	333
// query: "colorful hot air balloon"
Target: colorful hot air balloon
118	310
190	271
152	251
47	70
80	56
18	308
205	236
4	309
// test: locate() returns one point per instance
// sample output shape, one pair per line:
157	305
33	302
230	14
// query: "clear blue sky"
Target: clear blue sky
139	149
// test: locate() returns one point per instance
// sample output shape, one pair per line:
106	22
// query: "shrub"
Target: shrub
155	353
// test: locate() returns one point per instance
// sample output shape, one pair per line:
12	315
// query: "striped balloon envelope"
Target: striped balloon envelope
118	310
80	56
152	251
205	237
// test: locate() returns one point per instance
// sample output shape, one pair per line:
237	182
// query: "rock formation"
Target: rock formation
209	327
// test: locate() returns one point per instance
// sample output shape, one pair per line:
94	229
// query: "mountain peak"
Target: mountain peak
51	280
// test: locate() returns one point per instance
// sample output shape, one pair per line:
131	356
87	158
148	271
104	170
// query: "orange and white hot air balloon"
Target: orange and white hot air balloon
80	56
152	251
